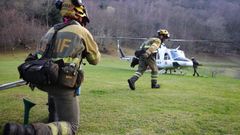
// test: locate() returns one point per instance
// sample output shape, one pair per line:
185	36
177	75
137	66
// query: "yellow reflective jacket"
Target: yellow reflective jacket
151	45
72	41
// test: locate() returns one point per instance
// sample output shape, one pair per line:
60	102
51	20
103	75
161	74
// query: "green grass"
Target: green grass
183	104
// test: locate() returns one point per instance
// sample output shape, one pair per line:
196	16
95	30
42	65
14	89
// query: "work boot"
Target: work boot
131	82
18	129
155	85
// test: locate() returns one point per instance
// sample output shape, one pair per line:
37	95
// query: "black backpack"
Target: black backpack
39	71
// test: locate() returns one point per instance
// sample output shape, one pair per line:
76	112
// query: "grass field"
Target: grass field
183	105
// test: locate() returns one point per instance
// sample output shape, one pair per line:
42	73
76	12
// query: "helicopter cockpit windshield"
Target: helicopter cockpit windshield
178	55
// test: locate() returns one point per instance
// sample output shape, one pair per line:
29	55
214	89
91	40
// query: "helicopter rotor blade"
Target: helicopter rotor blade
206	41
131	38
173	40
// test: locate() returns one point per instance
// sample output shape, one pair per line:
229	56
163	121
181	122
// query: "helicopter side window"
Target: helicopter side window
166	56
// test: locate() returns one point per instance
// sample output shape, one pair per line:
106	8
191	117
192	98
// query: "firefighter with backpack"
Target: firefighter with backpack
66	44
147	58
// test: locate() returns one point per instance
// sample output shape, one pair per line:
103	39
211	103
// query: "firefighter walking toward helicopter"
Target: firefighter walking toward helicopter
147	58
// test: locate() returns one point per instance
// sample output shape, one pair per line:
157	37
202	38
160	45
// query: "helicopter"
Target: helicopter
166	58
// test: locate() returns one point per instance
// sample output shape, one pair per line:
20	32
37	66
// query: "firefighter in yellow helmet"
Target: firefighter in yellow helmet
147	58
72	43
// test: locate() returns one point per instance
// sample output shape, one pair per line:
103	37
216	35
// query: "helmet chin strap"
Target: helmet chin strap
66	20
162	38
81	21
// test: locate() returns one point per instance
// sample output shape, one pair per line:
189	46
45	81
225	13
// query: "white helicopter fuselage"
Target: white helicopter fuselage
171	58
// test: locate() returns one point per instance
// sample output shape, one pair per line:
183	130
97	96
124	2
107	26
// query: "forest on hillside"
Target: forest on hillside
24	22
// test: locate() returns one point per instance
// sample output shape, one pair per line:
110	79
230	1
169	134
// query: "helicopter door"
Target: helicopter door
167	60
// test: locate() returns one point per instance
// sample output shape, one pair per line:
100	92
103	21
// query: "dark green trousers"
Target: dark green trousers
66	107
144	63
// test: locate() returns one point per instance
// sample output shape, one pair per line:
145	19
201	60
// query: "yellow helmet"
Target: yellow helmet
68	9
163	32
